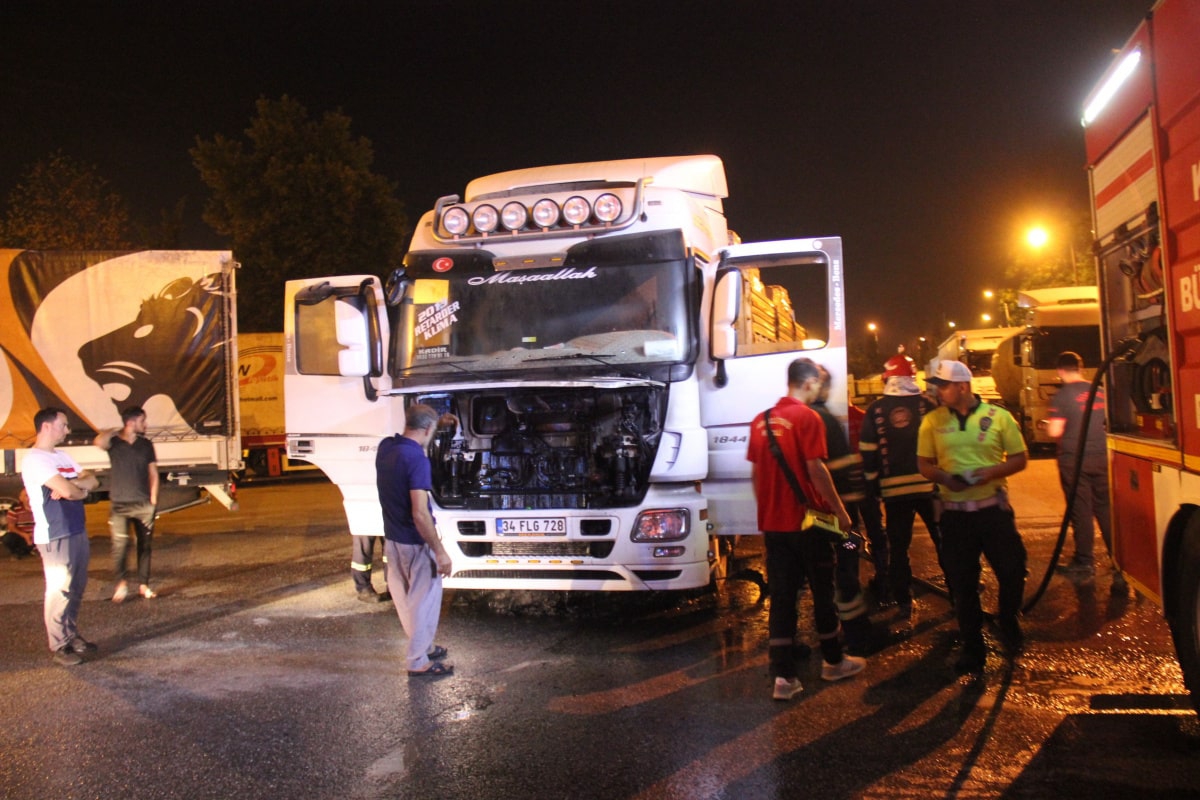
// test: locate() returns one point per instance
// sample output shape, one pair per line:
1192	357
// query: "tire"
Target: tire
1185	622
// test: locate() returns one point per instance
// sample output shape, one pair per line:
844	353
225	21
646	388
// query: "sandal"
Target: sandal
148	593
121	592
436	669
437	652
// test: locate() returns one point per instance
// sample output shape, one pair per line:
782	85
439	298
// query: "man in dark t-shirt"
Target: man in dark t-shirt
133	492
1064	422
415	559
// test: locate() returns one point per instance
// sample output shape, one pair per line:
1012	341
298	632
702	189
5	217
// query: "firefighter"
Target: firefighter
888	443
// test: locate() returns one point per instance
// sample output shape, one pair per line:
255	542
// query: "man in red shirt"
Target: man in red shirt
796	552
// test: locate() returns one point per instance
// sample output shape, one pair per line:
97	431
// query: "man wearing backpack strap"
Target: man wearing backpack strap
797	550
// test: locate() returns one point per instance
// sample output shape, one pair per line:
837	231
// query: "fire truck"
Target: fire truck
601	342
1142	132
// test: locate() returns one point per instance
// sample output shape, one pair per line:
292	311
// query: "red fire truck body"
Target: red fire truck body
1143	147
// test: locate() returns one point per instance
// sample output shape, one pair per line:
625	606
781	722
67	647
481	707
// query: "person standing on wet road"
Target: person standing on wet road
133	496
845	467
888	443
796	552
362	552
57	487
968	448
415	560
1064	422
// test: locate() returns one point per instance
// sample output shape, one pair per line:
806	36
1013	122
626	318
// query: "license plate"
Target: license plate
532	526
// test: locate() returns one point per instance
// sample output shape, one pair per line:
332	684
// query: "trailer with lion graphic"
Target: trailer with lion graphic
95	332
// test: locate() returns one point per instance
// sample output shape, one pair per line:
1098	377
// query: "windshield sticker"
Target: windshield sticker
436	319
568	274
427	353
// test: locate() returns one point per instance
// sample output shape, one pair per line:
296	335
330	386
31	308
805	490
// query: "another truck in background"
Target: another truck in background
1023	364
260	399
975	348
96	332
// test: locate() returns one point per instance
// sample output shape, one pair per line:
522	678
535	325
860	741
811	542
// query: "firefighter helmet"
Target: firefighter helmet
899	366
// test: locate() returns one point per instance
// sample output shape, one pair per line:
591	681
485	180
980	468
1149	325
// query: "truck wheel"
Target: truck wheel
1185	622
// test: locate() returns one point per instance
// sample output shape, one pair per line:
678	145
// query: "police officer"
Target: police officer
969	448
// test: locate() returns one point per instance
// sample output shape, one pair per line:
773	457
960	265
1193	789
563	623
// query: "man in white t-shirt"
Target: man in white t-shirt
57	487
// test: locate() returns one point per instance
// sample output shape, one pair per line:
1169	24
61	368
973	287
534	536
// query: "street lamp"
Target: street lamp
1038	237
873	344
987	318
990	296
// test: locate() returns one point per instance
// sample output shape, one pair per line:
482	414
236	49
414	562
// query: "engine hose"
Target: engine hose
1122	349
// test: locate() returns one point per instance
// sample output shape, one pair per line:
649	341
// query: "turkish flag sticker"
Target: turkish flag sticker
442	264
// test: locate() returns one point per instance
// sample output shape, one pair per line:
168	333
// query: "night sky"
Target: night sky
924	132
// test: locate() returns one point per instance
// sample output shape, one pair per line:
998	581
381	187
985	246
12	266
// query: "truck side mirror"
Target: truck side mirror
727	297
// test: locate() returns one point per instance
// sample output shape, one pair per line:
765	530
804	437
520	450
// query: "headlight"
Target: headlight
513	216
485	218
608	207
661	525
576	210
545	213
456	221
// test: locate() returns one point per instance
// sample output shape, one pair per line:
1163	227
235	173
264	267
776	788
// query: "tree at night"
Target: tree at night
298	199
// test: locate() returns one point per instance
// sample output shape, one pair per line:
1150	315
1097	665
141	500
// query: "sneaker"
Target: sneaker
81	645
67	657
847	667
785	689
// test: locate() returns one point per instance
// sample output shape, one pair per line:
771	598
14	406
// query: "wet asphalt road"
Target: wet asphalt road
256	674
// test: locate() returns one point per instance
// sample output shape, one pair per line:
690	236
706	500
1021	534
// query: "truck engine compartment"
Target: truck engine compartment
550	447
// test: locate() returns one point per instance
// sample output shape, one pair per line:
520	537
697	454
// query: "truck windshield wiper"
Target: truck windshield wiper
597	358
458	365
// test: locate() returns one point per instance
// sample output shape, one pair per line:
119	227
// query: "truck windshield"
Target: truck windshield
553	318
1055	339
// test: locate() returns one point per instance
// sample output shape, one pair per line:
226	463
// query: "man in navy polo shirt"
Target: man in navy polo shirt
416	559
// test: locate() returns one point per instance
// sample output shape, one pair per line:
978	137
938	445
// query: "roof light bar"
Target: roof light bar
458	222
1121	74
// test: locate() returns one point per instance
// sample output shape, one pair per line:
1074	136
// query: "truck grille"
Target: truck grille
530	549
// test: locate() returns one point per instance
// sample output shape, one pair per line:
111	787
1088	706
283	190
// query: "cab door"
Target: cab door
773	302
335	334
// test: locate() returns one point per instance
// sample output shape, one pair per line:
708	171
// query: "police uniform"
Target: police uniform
977	520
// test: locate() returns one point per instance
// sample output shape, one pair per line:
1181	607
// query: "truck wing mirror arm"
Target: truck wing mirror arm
315	294
726	303
374	338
